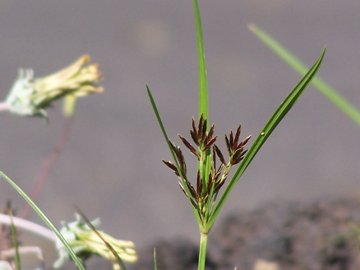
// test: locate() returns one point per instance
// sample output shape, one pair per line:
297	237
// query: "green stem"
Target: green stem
69	106
202	251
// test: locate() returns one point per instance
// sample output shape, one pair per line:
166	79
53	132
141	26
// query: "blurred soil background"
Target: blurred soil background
111	166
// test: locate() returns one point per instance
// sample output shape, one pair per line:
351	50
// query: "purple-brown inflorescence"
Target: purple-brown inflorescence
208	184
236	148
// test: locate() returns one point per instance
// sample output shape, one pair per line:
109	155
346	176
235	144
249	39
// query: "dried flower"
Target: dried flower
31	96
85	242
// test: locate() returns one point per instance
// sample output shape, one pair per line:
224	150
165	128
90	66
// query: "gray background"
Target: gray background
111	166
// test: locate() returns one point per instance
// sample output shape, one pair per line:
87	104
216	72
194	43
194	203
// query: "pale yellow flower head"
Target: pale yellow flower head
85	242
30	96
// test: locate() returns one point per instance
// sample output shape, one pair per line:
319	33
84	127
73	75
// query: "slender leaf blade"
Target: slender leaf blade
163	130
203	83
329	92
155	260
15	242
46	220
272	123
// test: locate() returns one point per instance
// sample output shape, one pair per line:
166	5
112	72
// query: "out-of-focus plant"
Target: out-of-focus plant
86	242
213	168
4	265
76	239
30	96
327	90
81	238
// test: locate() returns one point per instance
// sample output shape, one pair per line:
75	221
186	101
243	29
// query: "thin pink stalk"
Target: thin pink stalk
27	226
47	166
3	106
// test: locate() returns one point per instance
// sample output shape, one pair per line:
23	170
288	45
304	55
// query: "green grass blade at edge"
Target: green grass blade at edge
155	260
203	83
46	220
272	123
163	130
328	91
15	242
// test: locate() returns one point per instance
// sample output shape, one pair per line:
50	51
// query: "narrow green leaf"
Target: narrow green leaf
155	260
272	123
15	242
203	84
329	92
46	220
163	130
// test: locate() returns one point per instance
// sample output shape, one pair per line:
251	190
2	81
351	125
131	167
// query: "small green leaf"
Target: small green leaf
324	88
272	123
46	220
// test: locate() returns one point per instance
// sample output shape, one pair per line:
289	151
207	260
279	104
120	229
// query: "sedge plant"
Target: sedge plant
206	196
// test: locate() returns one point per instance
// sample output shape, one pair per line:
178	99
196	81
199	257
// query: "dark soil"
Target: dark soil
314	236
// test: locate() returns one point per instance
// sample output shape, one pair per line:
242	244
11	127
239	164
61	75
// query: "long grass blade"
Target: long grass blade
329	92
46	220
272	123
203	83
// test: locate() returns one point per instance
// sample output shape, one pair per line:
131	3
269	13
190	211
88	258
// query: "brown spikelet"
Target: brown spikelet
237	135
236	157
210	133
171	166
231	139
245	141
203	130
214	157
219	154
192	190
227	142
208	145
193	132
200	127
199	184
180	158
189	146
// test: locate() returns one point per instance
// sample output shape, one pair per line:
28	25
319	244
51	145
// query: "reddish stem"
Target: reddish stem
47	166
